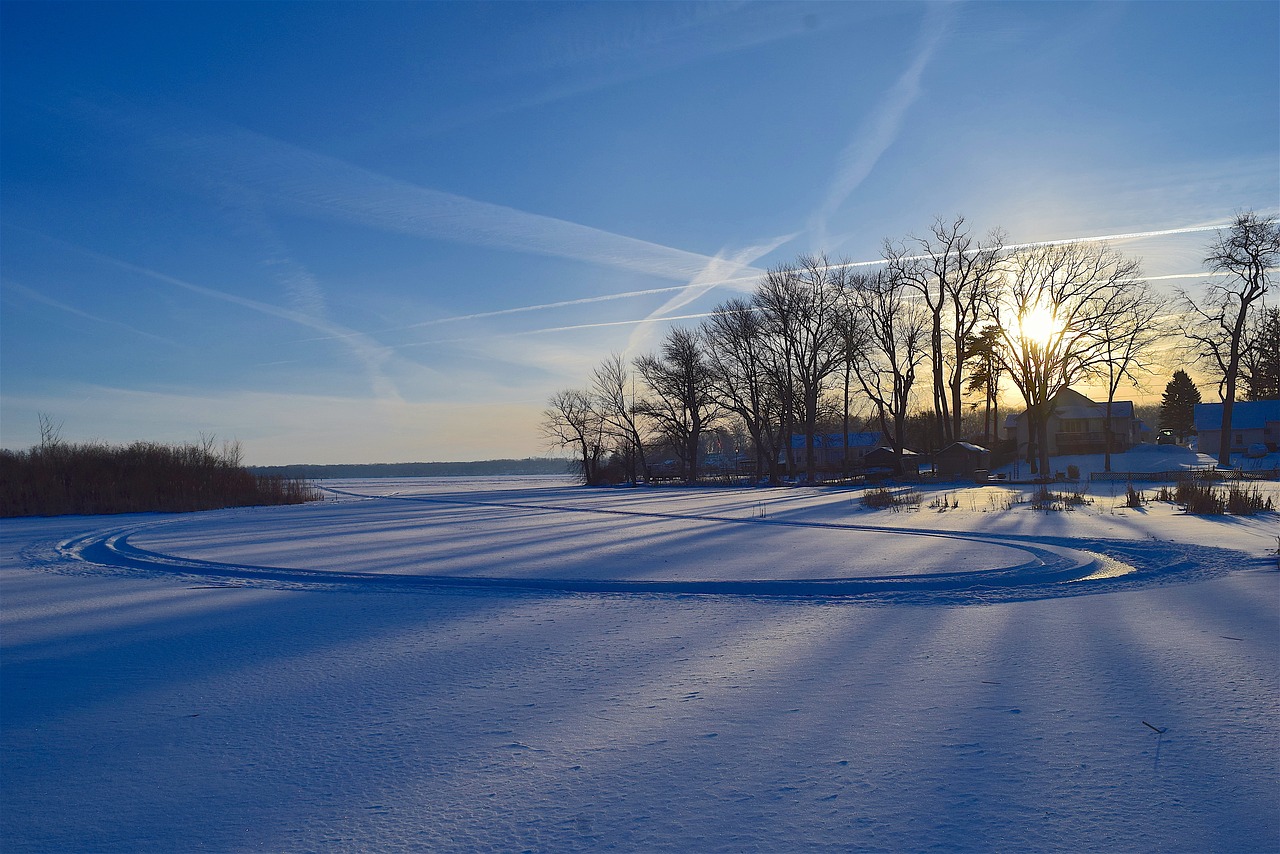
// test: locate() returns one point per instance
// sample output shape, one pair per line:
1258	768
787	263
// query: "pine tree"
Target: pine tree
1177	407
1260	368
984	376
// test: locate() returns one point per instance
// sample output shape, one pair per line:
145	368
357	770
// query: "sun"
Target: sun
1038	324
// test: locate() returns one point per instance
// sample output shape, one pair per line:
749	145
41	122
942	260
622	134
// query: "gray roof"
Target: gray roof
885	450
1245	415
1071	404
1119	409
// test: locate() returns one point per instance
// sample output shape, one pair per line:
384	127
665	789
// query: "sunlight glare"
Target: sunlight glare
1038	324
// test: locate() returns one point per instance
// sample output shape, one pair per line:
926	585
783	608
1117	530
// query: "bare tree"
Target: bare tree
1127	336
680	400
1216	324
741	357
615	397
956	276
853	338
50	431
1058	299
896	342
800	304
1260	363
571	420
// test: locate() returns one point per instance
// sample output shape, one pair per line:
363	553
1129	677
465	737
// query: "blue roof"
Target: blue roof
1245	415
834	440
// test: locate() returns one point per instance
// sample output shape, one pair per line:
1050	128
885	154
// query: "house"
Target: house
962	459
1077	425
1252	422
829	448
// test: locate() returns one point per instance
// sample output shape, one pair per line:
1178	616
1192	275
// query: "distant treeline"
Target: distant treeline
57	478
478	468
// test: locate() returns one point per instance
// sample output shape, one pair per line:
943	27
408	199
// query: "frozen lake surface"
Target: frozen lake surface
442	664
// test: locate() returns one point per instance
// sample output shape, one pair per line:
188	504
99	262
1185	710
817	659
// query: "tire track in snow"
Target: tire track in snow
1054	567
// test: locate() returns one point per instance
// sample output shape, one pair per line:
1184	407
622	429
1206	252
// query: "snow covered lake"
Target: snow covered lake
521	664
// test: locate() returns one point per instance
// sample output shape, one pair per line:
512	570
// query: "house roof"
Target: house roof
1119	409
835	440
965	446
885	450
1245	415
1071	404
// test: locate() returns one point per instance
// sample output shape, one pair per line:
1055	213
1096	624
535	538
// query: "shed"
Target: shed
962	459
883	458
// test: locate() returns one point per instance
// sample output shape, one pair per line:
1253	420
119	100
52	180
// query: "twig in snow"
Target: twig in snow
1157	729
1229	637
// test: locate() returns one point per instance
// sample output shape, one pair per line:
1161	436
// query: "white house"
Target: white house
1077	425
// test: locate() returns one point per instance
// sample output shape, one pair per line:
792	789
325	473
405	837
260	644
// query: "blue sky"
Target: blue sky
389	231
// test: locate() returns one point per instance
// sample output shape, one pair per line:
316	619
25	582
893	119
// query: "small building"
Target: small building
962	459
1252	422
884	458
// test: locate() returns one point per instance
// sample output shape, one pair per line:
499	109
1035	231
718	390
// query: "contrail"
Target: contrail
546	305
36	296
862	154
1129	235
298	179
737	281
368	351
710	278
572	328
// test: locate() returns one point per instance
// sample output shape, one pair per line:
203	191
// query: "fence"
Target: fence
1185	474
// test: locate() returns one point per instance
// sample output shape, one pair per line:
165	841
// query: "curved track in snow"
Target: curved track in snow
1045	567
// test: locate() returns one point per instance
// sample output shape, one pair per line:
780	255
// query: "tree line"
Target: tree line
475	468
59	478
939	319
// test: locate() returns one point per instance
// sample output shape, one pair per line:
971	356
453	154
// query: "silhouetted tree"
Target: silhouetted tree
1127	335
957	277
743	361
571	420
984	376
680	399
1060	300
1216	324
800	305
853	338
1177	405
615	399
1260	364
896	328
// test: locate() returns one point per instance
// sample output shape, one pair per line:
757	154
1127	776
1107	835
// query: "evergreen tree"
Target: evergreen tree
984	376
1177	407
1260	368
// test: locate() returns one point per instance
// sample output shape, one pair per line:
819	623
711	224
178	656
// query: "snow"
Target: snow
1146	458
499	664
